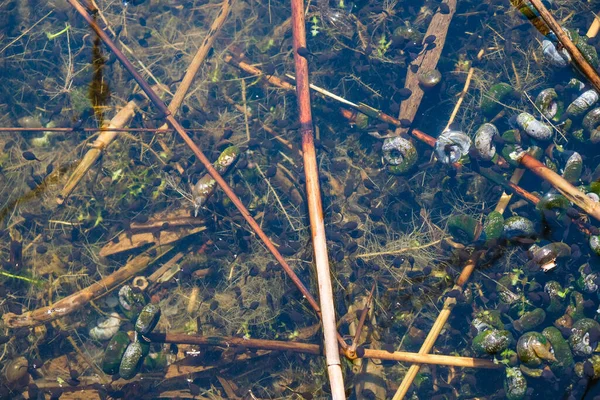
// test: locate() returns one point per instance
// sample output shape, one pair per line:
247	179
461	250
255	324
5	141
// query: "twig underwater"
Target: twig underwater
315	204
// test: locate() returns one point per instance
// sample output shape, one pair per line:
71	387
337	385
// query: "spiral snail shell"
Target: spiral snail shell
399	153
591	123
451	146
573	168
546	102
556	58
582	103
536	129
484	143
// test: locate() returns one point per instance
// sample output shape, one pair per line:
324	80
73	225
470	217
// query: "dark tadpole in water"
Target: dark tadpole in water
404	93
303	52
16	254
444	8
429	39
29	156
271	171
573	213
405	123
351	247
350	226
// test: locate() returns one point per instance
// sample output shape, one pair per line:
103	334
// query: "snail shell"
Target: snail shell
132	360
498	93
553	200
582	340
399	153
518	227
492	341
106	328
547	103
16	370
550	253
533	348
573	168
147	319
464	228
451	145
556	58
557	300
484	143
530	320
595	244
536	129
582	103
591	123
575	84
206	185
430	78
515	384
114	353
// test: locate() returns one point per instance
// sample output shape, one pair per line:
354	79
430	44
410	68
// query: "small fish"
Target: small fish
29	156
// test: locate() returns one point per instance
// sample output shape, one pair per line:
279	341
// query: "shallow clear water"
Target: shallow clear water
144	224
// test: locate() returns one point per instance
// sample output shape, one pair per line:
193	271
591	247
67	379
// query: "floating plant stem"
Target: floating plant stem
75	301
426	60
316	349
569	191
106	136
315	205
582	64
33	281
437	327
197	62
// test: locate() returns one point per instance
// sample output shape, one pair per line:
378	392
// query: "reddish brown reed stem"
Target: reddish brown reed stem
315	206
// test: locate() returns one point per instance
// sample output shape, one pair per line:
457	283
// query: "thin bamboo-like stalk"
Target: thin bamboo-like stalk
107	135
434	359
437	327
198	59
315	206
461	98
569	191
162	108
582	64
75	301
